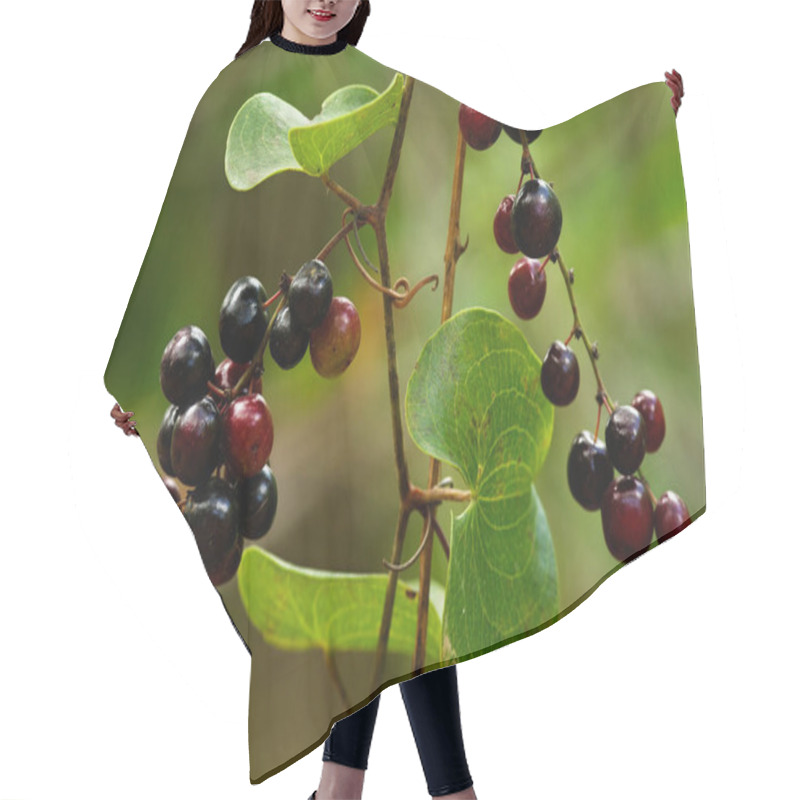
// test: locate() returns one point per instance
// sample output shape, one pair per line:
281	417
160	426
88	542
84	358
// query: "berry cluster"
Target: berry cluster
217	434
530	223
626	504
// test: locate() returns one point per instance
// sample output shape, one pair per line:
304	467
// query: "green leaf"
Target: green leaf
474	400
268	135
258	141
296	608
348	117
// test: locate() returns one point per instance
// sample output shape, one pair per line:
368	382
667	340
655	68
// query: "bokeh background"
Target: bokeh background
616	171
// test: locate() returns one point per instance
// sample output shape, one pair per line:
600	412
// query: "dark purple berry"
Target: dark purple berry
625	439
589	470
287	343
258	502
196	439
649	406
627	515
671	517
213	515
527	287
536	219
479	130
502	226
310	295
164	440
514	134
243	319
561	375
186	366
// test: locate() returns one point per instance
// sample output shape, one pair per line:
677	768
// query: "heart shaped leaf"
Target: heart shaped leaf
269	135
296	608
474	400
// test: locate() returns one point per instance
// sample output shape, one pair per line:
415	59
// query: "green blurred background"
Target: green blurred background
616	171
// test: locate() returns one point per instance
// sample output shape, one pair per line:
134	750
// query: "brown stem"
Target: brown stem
601	389
388	601
453	251
377	216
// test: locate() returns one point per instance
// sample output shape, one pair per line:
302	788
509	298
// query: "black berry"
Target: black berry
195	448
589	470
213	515
186	366
561	375
310	295
287	342
258	502
514	134
536	219
164	440
243	319
625	439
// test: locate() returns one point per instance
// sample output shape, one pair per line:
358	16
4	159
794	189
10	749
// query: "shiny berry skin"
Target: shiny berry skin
243	319
164	440
258	502
334	344
514	134
502	226
671	516
195	447
527	287
228	374
625	439
627	515
480	131
287	342
213	515
247	435
589	470
310	294
561	377
186	366
536	219
649	406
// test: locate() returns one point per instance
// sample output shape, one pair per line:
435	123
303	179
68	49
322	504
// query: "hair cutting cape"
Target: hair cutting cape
412	396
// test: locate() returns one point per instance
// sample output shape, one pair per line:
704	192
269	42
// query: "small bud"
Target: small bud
571	276
595	351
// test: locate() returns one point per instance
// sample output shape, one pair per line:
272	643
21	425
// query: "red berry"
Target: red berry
502	226
228	374
649	406
527	286
671	516
248	434
335	342
479	130
627	515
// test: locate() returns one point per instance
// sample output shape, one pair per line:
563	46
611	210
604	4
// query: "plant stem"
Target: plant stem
377	215
453	251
